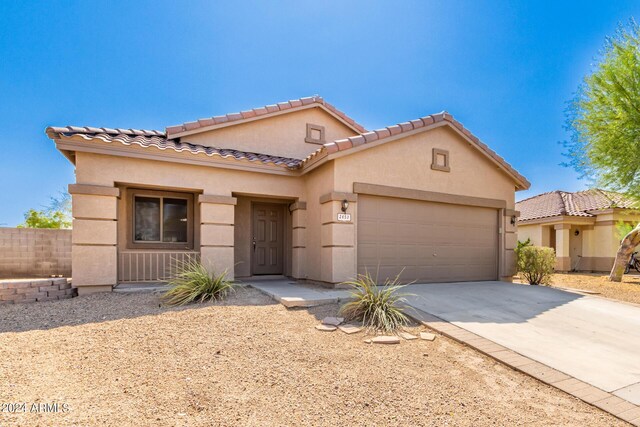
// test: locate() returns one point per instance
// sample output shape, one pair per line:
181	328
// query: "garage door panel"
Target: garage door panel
433	242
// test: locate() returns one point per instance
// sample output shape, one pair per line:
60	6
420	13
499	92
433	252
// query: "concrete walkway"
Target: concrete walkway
589	338
293	294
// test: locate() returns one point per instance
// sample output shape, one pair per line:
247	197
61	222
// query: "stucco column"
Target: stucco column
510	236
338	238
94	255
563	261
217	233
299	239
588	249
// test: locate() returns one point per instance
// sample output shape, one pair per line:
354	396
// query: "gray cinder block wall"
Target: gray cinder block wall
34	252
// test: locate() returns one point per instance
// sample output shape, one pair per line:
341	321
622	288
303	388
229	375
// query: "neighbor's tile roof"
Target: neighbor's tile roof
559	203
153	138
390	131
256	112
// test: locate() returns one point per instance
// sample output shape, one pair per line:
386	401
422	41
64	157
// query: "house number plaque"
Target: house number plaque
344	217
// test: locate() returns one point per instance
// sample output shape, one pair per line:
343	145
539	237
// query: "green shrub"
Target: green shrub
378	307
521	245
193	283
536	264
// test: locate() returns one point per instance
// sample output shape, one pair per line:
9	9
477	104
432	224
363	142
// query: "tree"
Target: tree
603	121
56	215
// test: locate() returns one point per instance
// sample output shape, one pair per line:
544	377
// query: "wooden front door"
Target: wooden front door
268	239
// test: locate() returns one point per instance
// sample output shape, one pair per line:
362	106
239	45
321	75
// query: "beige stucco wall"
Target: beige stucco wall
123	172
318	183
593	249
318	248
281	135
407	163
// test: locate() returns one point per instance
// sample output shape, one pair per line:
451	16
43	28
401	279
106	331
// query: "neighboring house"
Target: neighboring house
580	226
296	189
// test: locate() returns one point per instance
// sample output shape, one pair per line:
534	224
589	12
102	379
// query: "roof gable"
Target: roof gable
380	136
216	122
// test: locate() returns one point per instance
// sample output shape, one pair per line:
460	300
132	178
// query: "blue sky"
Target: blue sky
504	69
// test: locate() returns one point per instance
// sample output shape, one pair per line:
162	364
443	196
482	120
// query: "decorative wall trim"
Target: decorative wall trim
337	196
218	200
427	196
562	227
94	190
310	139
437	152
298	206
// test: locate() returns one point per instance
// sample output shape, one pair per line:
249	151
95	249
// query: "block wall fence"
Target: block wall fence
34	252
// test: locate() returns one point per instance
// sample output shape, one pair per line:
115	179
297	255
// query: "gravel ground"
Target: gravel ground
628	290
121	360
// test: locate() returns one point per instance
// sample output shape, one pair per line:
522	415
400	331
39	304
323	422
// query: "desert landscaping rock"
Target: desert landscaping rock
326	328
407	336
121	360
427	336
385	339
350	329
333	321
598	284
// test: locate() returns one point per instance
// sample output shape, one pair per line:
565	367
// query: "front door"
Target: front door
268	239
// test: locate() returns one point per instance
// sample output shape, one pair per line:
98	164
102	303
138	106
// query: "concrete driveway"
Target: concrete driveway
590	338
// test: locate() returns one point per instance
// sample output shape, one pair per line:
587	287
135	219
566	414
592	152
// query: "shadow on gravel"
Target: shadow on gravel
106	307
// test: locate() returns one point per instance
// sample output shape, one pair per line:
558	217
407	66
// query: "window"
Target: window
315	134
440	160
161	220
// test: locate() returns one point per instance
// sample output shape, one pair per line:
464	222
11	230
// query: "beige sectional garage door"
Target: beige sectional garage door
433	242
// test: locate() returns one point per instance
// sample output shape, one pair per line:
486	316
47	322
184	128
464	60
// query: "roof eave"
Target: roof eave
573	219
71	146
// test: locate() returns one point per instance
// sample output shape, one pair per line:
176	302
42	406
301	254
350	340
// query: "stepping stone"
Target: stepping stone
385	340
326	328
367	341
407	336
427	336
333	321
350	329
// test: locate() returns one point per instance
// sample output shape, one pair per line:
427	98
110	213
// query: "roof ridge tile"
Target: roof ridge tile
259	111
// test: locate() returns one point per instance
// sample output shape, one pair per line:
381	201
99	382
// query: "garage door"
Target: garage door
432	242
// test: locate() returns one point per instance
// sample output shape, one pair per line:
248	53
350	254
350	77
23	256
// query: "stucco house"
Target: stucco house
580	226
296	189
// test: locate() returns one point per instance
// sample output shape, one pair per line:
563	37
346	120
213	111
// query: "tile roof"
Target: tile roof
256	112
390	131
579	204
162	140
157	139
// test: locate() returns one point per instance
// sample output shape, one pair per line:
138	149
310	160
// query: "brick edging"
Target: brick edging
594	396
35	290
